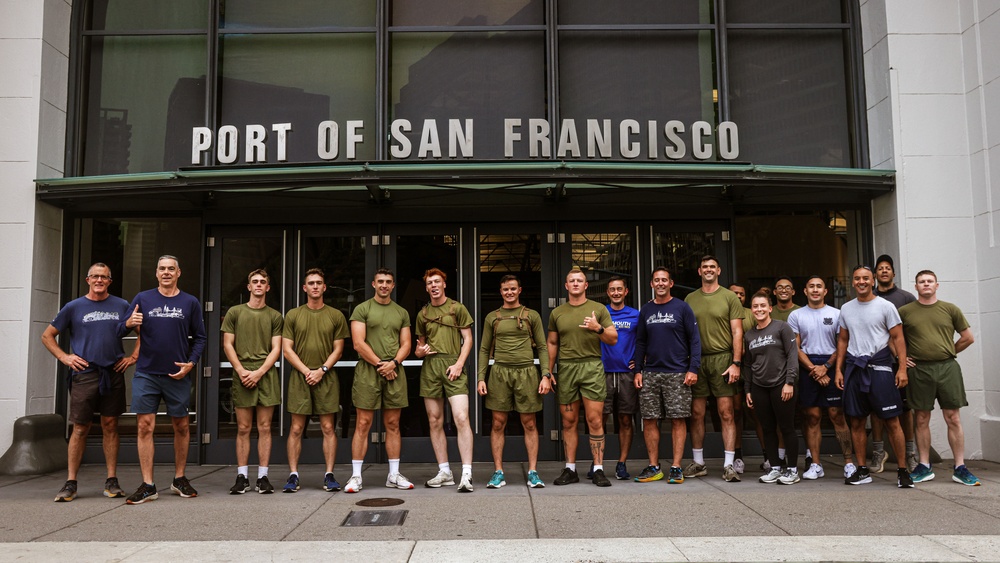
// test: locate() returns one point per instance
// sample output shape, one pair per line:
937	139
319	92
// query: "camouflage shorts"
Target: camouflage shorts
664	395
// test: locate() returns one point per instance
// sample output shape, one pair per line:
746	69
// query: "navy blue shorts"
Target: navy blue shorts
812	394
882	398
147	390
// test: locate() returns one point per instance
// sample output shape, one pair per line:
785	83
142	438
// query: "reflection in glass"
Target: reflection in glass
602	12
784	11
468	12
124	15
681	254
264	14
602	256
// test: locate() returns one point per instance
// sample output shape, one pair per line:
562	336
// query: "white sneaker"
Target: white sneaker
771	476
815	471
849	470
397	481
353	484
466	485
739	465
789	476
442	478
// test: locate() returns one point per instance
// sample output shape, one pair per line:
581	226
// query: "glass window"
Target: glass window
296	13
119	15
486	77
468	12
681	253
788	93
784	11
602	12
145	94
268	79
602	256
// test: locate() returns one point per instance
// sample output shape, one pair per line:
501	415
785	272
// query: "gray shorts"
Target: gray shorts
621	390
664	395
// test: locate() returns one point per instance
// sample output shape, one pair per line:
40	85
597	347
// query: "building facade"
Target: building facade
485	138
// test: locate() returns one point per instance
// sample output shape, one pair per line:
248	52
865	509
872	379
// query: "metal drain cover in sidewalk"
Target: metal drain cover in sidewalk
379	502
375	518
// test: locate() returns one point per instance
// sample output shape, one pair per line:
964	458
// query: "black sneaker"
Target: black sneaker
142	494
264	486
67	492
112	489
182	487
860	477
599	479
903	479
566	477
242	485
590	473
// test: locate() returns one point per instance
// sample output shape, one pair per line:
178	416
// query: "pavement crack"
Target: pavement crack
763	515
531	504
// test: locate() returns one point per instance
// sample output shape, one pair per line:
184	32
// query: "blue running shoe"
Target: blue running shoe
292	485
534	481
962	475
330	483
621	472
496	481
922	473
676	475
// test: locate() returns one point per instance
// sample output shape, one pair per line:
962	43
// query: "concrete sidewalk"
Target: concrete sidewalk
701	519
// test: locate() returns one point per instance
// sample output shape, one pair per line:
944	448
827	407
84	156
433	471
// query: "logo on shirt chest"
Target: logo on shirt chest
660	318
828	321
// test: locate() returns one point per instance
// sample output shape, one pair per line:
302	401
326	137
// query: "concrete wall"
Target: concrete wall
925	71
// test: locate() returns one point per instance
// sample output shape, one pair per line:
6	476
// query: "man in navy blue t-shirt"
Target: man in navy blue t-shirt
97	364
667	359
618	374
166	318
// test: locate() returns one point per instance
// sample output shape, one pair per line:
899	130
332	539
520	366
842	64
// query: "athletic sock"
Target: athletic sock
296	473
261	472
809	452
242	470
878	447
467	470
596	467
571	466
445	467
393	466
911	447
729	458
356	465
698	456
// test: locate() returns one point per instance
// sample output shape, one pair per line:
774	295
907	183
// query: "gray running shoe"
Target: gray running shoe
878	462
67	492
465	486
112	489
730	475
442	478
696	470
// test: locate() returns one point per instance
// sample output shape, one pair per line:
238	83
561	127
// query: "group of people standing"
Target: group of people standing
661	362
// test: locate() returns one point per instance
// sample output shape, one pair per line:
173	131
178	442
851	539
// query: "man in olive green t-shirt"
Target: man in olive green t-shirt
511	334
720	324
251	339
929	326
380	331
784	290
313	340
576	330
444	342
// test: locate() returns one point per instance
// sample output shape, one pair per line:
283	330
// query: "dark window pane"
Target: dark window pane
478	76
296	13
116	15
788	95
596	12
647	75
145	94
468	12
268	79
784	11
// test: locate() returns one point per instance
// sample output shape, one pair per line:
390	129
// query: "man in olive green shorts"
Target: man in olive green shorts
720	324
444	342
510	335
576	330
380	331
929	326
251	339
313	340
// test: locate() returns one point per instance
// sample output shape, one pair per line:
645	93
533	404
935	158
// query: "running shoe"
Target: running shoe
566	477
962	475
730	475
878	461
142	494
739	465
496	481
264	486
911	461
353	484
676	475
181	486
112	489
766	466
397	481
621	472
849	470
590	473
330	483
771	476
789	476
67	492
292	485
242	485
599	479
695	470
465	486
903	480
534	481
443	477
860	477
922	473
815	471
651	473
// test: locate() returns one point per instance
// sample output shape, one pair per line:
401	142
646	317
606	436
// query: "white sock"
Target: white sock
596	467
242	470
393	466
730	456
699	456
808	453
445	467
356	465
571	466
466	470
296	473
261	472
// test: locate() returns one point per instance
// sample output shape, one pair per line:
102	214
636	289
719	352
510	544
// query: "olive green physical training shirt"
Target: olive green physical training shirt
382	326
313	331
714	311
253	330
442	326
576	342
930	330
514	336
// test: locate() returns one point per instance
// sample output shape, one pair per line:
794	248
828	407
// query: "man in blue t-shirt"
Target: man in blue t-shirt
622	395
666	363
165	318
97	363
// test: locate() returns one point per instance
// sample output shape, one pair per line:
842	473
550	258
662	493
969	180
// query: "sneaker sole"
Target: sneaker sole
238	492
780	482
957	480
536	485
701	473
467	489
864	481
491	485
153	496
295	490
814	477
330	489
110	494
929	478
649	479
264	492
177	491
675	481
65	499
445	484
400	487
767	482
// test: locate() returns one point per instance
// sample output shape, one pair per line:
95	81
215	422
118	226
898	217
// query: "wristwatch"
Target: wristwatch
738	363
324	369
828	365
395	361
600	330
546	375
